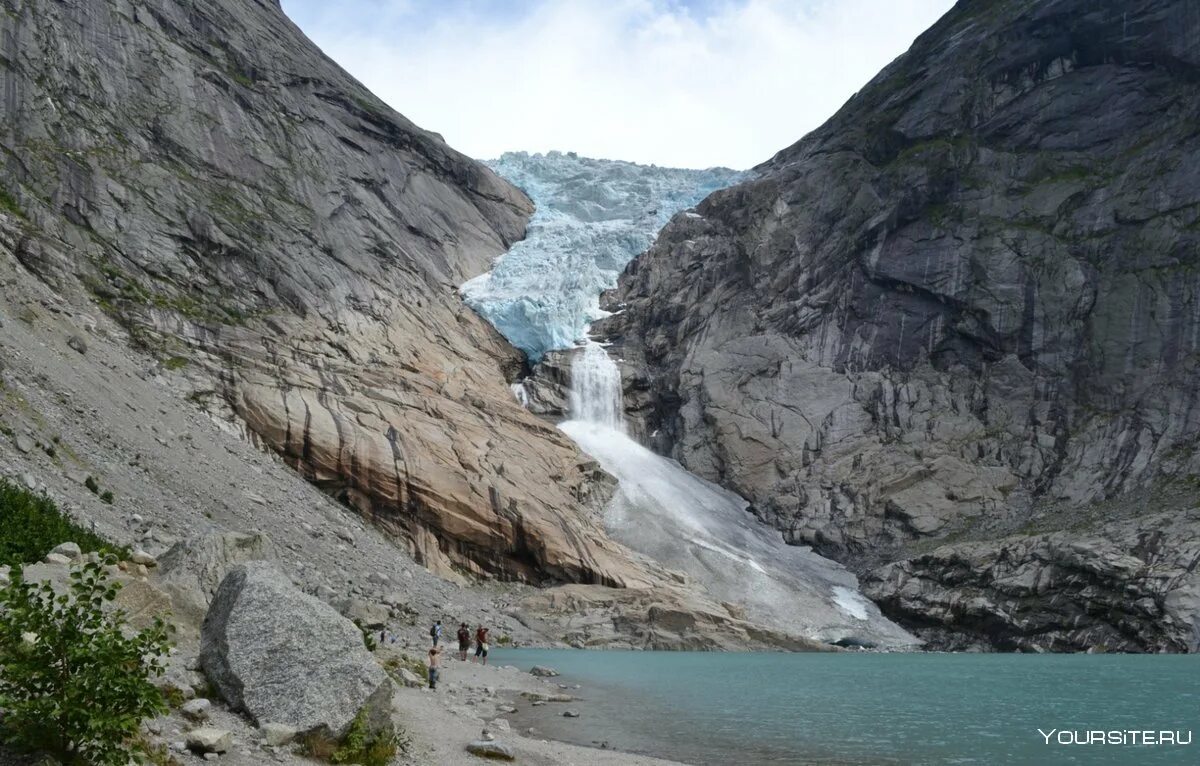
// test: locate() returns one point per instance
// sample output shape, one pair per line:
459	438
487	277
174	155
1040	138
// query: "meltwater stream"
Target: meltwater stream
692	525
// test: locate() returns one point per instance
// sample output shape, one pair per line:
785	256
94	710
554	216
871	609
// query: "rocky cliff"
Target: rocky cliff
965	311
266	227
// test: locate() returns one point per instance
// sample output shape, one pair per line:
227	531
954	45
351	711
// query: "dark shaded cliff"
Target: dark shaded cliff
268	228
967	308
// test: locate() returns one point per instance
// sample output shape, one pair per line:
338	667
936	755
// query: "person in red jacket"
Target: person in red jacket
481	643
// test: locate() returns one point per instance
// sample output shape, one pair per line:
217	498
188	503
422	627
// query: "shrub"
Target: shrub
360	745
31	525
417	667
72	684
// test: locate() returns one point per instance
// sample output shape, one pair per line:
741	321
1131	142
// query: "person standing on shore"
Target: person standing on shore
464	641
481	645
436	632
435	666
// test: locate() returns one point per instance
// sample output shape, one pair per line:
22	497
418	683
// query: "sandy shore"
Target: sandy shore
469	698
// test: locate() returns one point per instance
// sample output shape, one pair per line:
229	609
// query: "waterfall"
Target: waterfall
694	526
592	217
596	388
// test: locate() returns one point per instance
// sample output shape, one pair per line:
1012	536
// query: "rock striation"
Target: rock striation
968	303
269	229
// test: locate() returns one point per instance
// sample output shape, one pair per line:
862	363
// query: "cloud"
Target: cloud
726	82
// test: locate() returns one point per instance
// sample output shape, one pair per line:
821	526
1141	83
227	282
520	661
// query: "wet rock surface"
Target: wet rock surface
969	298
1127	587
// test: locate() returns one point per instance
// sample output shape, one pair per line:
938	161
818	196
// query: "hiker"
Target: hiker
481	646
435	664
464	641
436	632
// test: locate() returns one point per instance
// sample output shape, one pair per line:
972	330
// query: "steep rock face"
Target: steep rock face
1129	586
968	301
252	214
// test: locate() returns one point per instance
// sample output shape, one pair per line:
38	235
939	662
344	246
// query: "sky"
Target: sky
680	83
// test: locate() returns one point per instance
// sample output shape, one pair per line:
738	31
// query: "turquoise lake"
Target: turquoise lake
853	709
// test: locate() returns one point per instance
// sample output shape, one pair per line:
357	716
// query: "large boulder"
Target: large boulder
192	569
281	656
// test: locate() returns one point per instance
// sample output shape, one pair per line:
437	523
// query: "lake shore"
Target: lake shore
471	697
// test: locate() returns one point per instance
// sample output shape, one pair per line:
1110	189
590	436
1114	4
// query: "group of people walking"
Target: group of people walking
464	646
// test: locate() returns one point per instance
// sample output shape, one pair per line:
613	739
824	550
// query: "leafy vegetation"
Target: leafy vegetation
9	204
72	684
416	667
360	745
31	525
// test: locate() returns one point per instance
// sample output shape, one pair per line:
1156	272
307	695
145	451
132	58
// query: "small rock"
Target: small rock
344	534
57	558
70	550
277	734
570	714
499	724
543	672
409	678
145	559
207	739
25	444
487	736
378	578
198	709
491	749
77	343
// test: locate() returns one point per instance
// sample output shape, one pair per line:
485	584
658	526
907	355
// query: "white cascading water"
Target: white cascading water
592	218
596	389
692	525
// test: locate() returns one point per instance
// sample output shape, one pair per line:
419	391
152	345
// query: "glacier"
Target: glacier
592	217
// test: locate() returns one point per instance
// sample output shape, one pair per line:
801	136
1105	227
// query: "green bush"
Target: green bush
31	525
72	684
360	745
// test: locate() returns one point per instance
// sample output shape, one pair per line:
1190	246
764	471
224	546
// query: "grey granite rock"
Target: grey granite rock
192	570
286	658
492	749
1131	586
289	247
968	300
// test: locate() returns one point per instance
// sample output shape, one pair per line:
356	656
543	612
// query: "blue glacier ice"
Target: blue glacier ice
592	218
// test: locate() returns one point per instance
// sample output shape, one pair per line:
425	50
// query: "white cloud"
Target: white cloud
642	80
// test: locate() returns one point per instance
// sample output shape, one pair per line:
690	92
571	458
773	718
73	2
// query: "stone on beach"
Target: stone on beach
282	656
491	749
